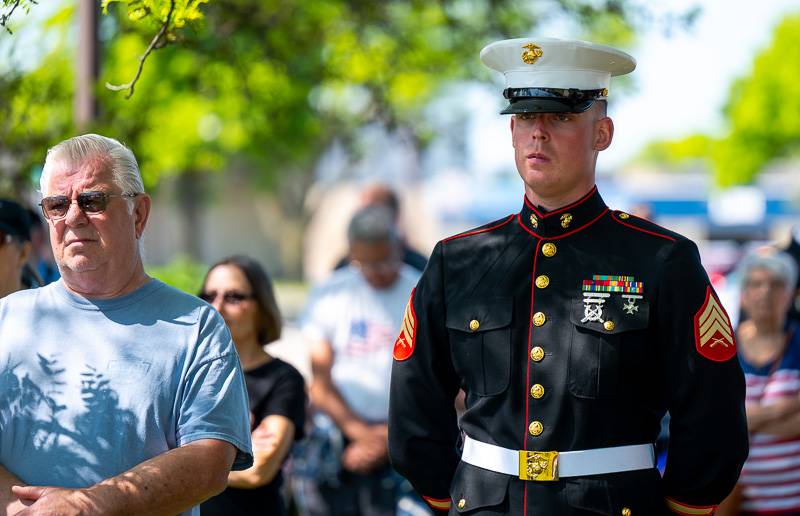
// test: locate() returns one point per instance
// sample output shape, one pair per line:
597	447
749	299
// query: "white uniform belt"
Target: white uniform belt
549	465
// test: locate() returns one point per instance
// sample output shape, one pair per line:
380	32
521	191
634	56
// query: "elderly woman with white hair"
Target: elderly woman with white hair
769	352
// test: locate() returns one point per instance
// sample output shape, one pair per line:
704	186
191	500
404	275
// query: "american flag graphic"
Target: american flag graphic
368	337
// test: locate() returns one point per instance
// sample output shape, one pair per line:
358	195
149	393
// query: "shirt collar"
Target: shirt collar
567	219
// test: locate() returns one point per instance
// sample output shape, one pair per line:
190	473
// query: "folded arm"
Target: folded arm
166	484
9	504
272	440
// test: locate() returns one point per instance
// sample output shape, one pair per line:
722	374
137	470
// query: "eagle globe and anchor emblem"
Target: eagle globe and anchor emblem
532	53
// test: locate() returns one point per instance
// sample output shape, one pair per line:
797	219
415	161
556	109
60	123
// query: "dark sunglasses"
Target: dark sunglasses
231	297
57	206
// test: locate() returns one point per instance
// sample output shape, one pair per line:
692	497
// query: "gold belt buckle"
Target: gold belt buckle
540	466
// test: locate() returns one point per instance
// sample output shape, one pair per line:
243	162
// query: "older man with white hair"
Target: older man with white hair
118	393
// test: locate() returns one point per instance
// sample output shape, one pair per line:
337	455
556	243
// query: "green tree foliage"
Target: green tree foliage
35	110
271	83
267	85
763	110
760	114
679	154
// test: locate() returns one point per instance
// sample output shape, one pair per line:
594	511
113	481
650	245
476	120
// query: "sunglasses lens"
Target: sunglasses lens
234	298
208	296
92	202
56	206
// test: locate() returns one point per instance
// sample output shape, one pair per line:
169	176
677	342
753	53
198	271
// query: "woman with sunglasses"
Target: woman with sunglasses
239	288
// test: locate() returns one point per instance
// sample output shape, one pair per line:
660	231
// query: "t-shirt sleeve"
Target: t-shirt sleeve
288	398
213	400
315	321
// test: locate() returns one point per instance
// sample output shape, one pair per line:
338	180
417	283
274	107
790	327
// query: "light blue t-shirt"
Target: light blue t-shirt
91	388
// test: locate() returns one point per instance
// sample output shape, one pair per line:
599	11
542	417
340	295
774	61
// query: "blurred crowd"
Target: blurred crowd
320	447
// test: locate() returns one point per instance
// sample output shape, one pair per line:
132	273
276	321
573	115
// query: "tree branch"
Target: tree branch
154	44
5	17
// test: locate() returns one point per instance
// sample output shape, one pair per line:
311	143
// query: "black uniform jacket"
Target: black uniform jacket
502	313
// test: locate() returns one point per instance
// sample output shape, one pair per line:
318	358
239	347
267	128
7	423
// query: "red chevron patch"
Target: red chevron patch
404	345
713	335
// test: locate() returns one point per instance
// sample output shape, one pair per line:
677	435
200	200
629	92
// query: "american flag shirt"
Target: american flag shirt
361	324
770	478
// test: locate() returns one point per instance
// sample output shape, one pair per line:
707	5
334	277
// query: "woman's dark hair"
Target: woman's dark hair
269	316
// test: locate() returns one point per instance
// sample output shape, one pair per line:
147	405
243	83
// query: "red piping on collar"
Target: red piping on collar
558	237
666	237
564	208
480	230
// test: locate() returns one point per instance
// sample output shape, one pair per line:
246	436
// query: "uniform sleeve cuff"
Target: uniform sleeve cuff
439	504
689	510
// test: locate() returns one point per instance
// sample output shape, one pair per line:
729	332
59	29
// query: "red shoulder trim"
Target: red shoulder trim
615	217
462	235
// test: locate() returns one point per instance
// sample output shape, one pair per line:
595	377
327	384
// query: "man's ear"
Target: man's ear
603	133
141	212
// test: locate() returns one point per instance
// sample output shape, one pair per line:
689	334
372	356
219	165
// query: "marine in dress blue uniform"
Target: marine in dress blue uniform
572	329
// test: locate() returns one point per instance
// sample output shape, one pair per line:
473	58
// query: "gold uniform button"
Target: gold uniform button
537	354
462	503
626	511
624	215
542	281
549	249
609	325
474	325
537	391
535	428
539	319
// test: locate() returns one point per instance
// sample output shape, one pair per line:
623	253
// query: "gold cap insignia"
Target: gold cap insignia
532	53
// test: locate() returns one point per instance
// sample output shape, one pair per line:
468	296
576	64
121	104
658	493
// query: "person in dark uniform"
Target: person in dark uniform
571	327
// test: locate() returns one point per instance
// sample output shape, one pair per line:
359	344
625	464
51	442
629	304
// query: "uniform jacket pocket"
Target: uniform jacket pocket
480	337
479	491
596	343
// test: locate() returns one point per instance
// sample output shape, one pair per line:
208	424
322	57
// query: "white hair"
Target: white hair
780	264
74	151
124	168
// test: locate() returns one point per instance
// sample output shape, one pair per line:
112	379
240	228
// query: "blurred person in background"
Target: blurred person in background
351	321
382	195
41	258
119	394
241	291
769	352
15	247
